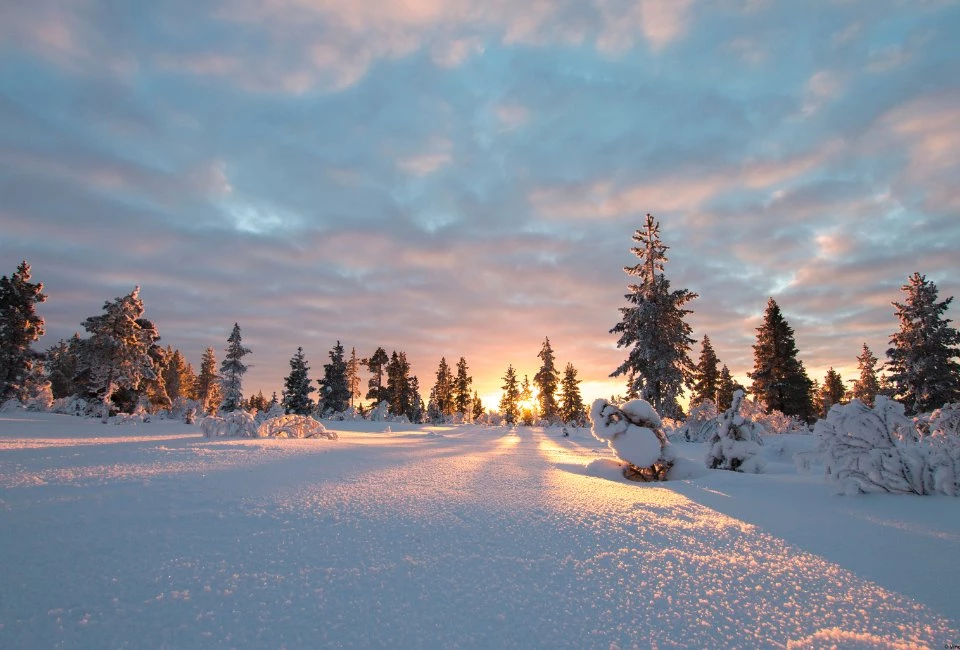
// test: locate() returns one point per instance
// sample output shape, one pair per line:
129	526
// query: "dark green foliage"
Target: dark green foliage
20	326
207	389
297	387
654	328
572	408
546	381
510	401
867	387
63	366
231	372
832	392
334	389
779	379
377	365
461	389
922	360
442	393
706	375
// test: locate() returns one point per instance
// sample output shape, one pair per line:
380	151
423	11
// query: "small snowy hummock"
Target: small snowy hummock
629	430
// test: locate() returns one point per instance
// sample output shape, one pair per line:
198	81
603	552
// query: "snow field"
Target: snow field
427	537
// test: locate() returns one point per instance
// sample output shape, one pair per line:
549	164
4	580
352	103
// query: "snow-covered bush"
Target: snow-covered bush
735	445
379	413
10	406
235	424
774	422
633	431
294	426
945	420
880	450
700	425
74	405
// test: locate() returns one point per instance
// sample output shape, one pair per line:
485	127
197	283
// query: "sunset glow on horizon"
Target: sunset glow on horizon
457	180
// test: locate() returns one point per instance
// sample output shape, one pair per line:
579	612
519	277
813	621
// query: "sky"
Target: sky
464	178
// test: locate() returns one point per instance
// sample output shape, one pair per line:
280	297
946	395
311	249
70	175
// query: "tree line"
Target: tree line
922	371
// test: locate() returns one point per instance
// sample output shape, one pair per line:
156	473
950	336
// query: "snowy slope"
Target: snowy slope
152	536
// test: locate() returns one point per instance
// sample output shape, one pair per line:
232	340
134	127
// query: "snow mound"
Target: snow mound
294	426
236	424
632	431
736	443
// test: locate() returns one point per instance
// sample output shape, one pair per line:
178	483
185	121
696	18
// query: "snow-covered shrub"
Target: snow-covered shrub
700	425
633	431
379	413
774	422
10	406
945	420
294	426
735	445
880	450
74	405
235	424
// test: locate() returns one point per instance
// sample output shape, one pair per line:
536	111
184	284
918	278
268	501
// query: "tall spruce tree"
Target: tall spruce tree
377	365
706	375
832	392
20	326
922	359
510	401
654	328
116	357
572	409
297	387
417	408
726	387
779	379
867	386
353	376
546	381
398	384
461	390
63	366
334	390
477	406
208	383
443	389
231	372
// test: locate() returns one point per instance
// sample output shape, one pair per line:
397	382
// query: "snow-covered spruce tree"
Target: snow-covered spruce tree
62	362
334	391
779	379
735	445
634	432
297	387
706	374
546	381
880	450
20	326
922	359
461	391
726	387
208	383
654	329
231	372
510	400
867	386
832	392
477	407
116	357
377	366
416	410
572	409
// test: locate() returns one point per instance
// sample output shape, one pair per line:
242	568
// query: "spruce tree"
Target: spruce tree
572	408
779	379
443	389
353	376
334	391
208	383
297	387
178	376
20	326
654	328
416	408
231	372
510	401
922	359
377	365
706	375
726	387
461	390
398	384
867	386
832	392
63	365
546	381
477	407
116	357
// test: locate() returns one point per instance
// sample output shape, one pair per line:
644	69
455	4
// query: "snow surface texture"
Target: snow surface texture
879	449
629	430
151	535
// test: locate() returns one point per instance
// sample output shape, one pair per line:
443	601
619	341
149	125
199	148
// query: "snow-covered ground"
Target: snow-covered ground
151	536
